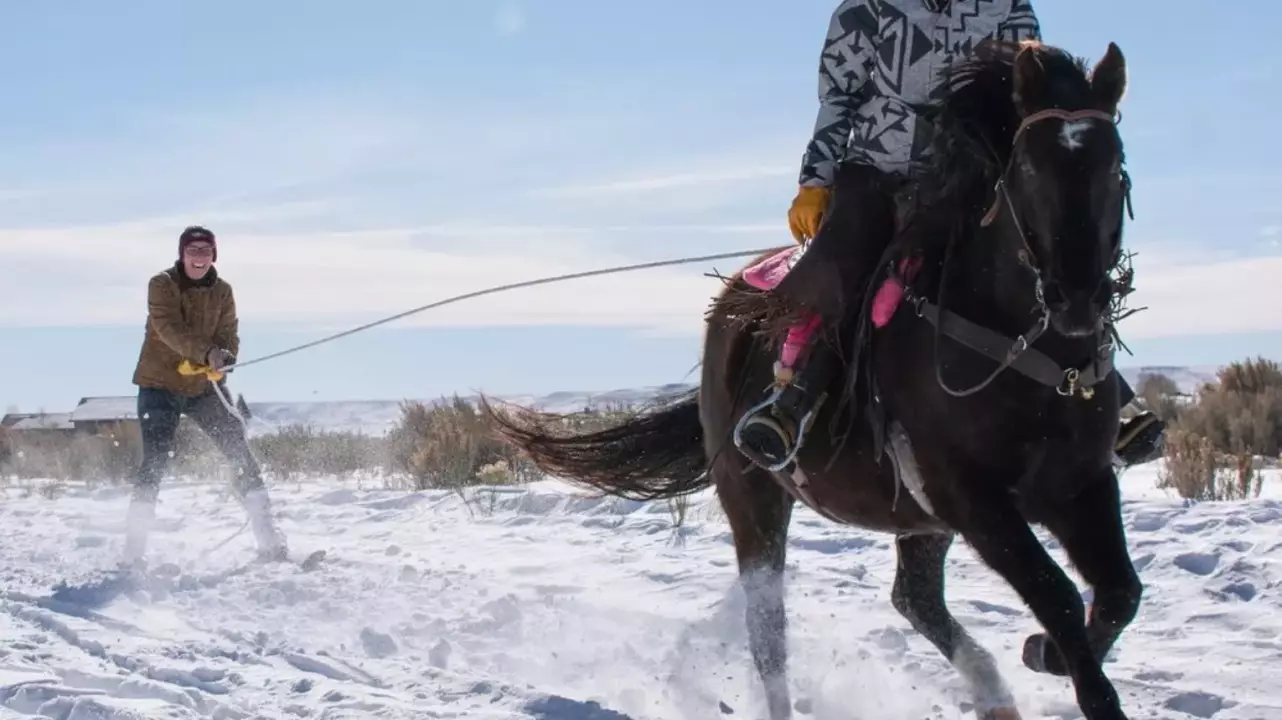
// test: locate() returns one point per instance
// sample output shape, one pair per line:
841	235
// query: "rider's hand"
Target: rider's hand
807	211
220	358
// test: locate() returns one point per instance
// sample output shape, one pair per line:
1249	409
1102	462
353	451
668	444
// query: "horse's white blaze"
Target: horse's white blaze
1070	135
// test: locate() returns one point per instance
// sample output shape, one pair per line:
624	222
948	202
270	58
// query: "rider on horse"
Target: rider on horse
880	59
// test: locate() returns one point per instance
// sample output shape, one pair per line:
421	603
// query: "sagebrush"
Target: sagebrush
449	445
1216	440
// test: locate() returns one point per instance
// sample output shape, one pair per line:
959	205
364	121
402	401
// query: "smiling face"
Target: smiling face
1069	190
198	258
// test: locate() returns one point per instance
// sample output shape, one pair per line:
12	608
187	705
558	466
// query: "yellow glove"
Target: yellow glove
807	211
187	368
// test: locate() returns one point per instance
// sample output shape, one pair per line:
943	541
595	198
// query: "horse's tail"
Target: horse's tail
654	454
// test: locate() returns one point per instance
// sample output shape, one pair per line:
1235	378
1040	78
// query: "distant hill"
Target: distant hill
1189	379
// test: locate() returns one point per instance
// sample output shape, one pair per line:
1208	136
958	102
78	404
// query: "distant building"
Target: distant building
37	424
95	414
92	416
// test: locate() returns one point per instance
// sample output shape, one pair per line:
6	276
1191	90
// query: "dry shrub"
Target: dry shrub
1251	377
111	453
1195	470
1211	444
1191	465
6	445
297	450
449	445
1160	394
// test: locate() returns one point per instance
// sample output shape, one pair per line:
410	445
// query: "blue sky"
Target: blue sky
358	159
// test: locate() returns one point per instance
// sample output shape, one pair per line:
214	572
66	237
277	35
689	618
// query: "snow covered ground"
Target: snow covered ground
535	603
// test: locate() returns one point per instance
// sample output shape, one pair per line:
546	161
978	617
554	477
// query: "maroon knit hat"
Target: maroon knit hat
196	233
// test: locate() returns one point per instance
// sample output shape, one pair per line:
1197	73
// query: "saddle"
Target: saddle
768	273
891	282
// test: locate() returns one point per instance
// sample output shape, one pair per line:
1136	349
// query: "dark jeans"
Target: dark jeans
158	414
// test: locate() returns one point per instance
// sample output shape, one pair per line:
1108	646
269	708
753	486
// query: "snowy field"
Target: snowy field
536	603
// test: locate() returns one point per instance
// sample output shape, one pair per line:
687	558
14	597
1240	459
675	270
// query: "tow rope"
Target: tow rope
187	367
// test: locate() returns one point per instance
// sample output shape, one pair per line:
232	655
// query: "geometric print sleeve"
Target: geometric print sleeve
1021	24
844	69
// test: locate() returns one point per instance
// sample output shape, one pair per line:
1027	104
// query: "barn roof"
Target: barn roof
105	409
38	421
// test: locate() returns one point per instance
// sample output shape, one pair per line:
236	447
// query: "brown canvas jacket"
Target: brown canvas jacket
185	319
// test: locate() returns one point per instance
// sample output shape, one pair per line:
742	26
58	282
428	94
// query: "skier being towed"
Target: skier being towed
191	315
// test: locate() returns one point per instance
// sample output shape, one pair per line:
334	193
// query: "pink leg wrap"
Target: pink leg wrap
798	338
766	275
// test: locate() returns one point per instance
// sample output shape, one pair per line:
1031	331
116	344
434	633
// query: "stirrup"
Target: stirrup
800	439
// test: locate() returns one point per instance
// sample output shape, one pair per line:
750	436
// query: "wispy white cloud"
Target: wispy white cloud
1197	293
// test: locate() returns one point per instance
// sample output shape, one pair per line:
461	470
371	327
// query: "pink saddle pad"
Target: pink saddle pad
767	274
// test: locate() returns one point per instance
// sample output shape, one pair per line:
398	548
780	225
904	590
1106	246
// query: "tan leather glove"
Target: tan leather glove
807	211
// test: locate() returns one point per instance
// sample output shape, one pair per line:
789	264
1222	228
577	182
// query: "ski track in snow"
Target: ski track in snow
538	603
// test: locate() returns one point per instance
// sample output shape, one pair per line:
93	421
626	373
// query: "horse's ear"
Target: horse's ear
1030	81
1108	79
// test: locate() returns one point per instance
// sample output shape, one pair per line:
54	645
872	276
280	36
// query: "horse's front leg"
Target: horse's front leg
992	525
1090	529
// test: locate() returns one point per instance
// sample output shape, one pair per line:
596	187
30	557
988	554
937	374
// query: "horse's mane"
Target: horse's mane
974	123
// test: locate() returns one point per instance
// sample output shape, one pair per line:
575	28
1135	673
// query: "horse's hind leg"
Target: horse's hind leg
918	595
759	512
1090	529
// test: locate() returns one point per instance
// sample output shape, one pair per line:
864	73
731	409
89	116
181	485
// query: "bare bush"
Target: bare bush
1195	470
448	444
297	450
1237	422
1160	394
111	453
1251	377
1212	444
6	446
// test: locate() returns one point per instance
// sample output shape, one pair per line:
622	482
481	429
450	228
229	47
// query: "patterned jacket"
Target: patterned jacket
882	56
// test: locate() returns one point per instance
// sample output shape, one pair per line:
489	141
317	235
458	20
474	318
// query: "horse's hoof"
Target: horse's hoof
1003	713
1041	655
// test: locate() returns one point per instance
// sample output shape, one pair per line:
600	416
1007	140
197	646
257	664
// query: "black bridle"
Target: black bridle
1018	353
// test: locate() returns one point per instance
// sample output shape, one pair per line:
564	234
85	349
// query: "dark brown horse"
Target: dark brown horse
1018	228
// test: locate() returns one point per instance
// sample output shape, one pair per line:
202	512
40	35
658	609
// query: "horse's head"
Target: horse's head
1064	187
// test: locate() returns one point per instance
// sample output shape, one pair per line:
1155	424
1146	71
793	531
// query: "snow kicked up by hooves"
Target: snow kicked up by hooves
538	603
